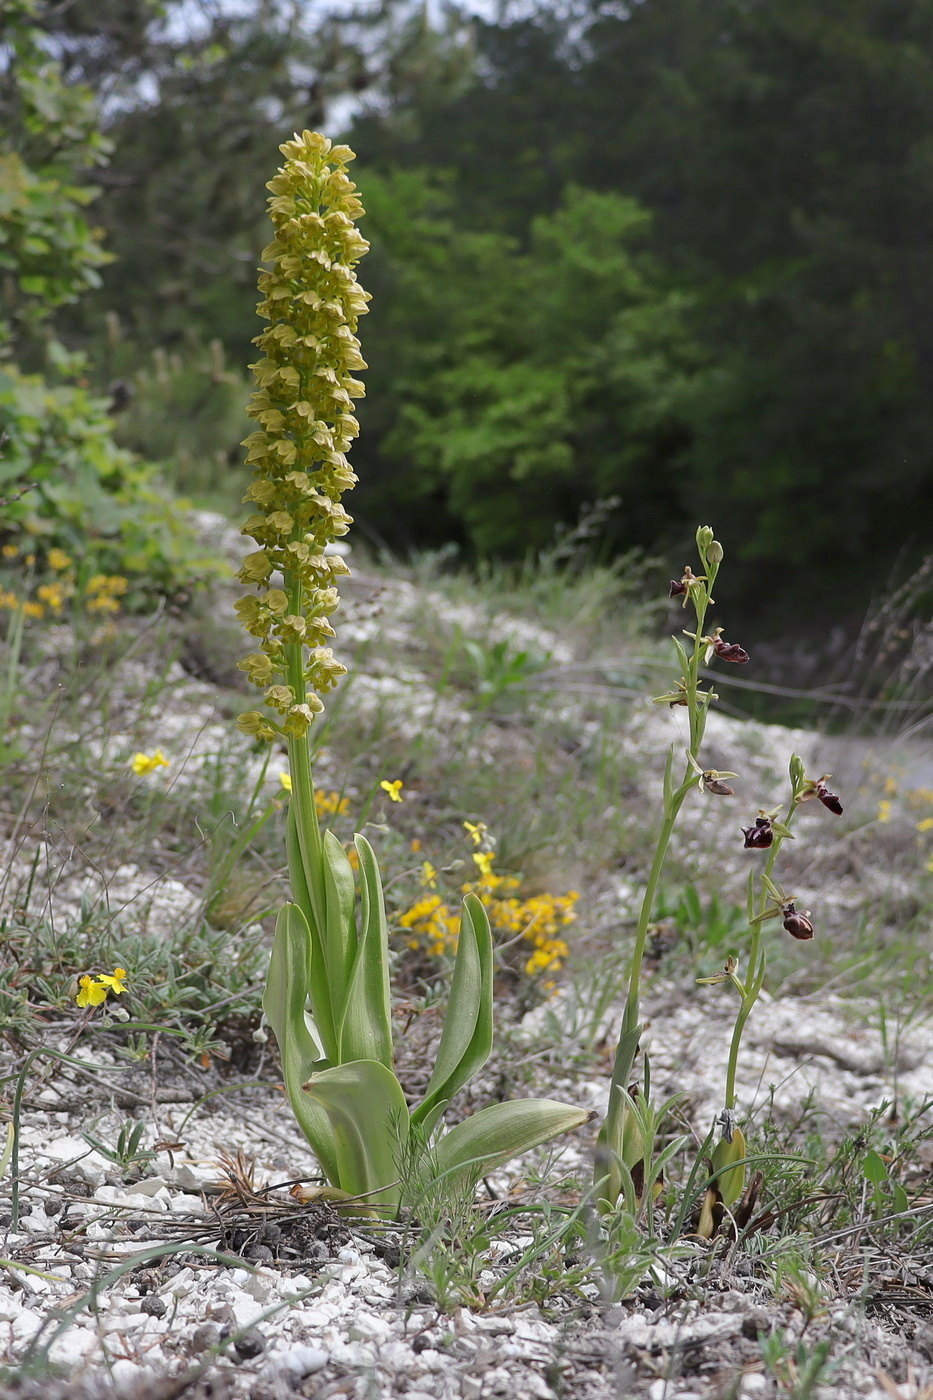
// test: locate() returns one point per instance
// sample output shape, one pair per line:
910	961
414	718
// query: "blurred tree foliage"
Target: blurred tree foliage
64	482
676	251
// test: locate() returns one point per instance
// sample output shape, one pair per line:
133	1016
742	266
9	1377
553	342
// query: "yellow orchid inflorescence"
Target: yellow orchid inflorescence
304	403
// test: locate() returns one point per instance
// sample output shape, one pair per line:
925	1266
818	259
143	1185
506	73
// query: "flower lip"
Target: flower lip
828	799
798	925
730	651
760	836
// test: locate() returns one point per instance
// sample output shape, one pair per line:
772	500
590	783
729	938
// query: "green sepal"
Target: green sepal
368	1116
283	1002
496	1134
466	1041
366	1024
732	1182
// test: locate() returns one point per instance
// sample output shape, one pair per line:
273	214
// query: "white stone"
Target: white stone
295	1363
150	1187
10	1306
753	1384
72	1347
396	1356
191	1176
368	1327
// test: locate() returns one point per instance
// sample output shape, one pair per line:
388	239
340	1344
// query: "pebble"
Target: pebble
252	1343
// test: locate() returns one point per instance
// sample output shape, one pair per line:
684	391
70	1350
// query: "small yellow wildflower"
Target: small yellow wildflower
34	610
483	860
59	560
143	763
93	990
884	811
286	780
428	875
926	824
91	993
30	560
890	786
415	845
477	831
10	551
9	600
920	797
394	789
114	981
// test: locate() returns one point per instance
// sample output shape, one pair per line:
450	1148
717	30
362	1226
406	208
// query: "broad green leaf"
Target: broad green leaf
318	987
621	1075
340	901
874	1169
503	1130
283	1002
466	1040
368	1116
732	1182
366	1026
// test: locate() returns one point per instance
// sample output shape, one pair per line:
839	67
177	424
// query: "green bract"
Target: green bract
327	994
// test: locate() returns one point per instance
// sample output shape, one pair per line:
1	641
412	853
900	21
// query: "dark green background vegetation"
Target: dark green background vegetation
676	252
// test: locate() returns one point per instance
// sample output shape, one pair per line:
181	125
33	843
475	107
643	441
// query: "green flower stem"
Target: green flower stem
299	766
756	966
697	709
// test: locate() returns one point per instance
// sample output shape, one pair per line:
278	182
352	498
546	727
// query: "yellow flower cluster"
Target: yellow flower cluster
304	402
330	804
102	591
541	918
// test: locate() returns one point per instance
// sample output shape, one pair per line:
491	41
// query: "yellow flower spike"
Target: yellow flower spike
143	763
884	810
59	560
394	789
92	991
11	551
303	403
477	831
428	875
926	824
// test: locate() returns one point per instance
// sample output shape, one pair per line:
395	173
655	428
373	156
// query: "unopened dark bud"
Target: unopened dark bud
760	836
798	925
829	799
727	651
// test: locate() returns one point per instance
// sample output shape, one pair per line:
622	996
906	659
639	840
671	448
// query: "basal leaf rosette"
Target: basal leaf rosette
304	405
